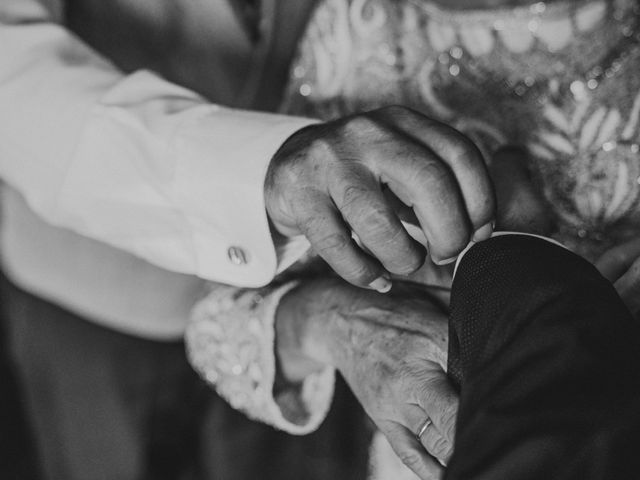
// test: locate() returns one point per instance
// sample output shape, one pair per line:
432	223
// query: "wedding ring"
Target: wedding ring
423	428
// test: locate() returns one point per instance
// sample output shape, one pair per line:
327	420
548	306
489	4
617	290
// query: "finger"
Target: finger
616	261
357	194
414	417
409	450
423	182
461	155
331	238
628	287
404	213
436	444
438	399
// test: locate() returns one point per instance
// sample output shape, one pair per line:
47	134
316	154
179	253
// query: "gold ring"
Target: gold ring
423	428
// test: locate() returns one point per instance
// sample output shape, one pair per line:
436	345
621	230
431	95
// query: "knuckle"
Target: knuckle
410	375
302	146
411	459
450	412
320	150
311	225
405	261
432	172
286	173
409	265
435	443
332	243
424	391
460	148
354	198
464	151
437	446
308	212
352	268
361	124
360	274
449	421
375	219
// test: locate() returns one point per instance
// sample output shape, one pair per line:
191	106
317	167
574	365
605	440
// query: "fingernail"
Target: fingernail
382	284
484	232
446	261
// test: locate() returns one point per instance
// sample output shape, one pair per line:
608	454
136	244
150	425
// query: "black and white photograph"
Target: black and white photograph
319	239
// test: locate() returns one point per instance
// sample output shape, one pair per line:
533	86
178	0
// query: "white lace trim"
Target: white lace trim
230	342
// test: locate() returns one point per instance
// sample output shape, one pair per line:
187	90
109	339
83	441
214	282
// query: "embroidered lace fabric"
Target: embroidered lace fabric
230	343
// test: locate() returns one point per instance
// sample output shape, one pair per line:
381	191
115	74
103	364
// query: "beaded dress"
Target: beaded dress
560	79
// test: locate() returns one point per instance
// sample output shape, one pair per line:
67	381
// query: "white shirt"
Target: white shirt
132	161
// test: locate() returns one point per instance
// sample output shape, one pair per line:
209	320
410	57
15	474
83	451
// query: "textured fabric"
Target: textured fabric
546	356
231	343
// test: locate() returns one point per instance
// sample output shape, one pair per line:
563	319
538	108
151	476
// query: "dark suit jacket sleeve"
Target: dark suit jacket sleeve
547	359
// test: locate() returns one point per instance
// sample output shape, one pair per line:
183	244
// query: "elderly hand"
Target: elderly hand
327	182
621	266
391	349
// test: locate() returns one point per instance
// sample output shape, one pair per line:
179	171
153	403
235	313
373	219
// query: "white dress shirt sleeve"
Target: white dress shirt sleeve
133	160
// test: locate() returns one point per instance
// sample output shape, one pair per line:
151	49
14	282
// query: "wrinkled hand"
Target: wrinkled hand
329	180
394	360
391	349
621	266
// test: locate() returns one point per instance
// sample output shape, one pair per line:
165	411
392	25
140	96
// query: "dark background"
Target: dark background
17	456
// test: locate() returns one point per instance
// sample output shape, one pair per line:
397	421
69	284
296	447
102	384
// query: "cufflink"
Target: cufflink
237	256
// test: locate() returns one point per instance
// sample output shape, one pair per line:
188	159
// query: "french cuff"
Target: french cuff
230	342
222	160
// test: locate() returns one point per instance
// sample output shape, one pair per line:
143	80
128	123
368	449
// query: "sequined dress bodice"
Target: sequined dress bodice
561	79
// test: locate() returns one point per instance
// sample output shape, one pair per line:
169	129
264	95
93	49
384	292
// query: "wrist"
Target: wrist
301	334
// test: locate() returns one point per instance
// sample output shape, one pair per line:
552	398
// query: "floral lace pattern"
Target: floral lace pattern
230	343
559	78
